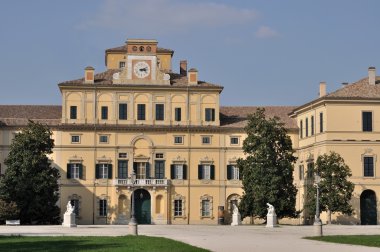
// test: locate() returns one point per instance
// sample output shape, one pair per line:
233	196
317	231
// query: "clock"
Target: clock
141	69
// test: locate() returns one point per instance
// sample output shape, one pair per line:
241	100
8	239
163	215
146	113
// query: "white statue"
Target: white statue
69	208
235	210
271	209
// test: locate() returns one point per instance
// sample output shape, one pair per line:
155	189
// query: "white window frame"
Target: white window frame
235	173
206	171
206	208
74	136
103	171
103	206
74	169
178	171
178	207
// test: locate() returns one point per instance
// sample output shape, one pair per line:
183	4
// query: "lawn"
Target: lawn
365	240
92	243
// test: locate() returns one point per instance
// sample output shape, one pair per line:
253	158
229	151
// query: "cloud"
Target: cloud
165	16
266	32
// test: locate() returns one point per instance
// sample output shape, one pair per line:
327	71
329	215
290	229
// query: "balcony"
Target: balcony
141	182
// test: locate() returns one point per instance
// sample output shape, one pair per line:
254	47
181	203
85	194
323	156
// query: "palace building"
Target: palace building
170	129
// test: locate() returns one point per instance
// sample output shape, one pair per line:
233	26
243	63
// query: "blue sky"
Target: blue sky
271	52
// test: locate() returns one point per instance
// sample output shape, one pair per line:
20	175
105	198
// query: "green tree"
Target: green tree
29	180
267	170
8	211
335	190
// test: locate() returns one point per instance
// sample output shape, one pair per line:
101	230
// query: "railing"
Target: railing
141	182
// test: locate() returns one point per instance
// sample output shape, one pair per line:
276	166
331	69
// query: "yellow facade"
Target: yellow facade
172	132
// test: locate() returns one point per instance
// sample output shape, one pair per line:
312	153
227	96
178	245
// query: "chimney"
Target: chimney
183	67
89	75
192	76
322	88
344	84
372	75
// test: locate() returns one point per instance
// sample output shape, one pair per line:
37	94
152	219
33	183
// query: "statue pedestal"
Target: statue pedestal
69	220
236	219
271	220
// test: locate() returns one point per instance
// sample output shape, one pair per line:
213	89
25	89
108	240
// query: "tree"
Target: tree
267	170
29	180
334	187
8	211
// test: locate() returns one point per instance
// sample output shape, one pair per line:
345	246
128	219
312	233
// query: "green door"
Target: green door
142	206
368	211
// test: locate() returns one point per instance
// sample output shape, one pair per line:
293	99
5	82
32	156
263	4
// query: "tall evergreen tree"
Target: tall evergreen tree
29	180
335	191
267	170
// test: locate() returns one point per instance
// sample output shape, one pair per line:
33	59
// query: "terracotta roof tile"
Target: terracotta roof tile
18	115
359	89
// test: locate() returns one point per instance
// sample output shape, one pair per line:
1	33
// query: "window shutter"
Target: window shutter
97	172
213	114
68	171
172	171
80	171
147	170
212	172
135	167
200	172
110	171
229	172
184	171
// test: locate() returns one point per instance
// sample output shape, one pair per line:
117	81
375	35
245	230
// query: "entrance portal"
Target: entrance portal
368	211
142	206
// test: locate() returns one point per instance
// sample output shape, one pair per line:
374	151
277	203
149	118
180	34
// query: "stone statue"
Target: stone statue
271	209
69	208
235	210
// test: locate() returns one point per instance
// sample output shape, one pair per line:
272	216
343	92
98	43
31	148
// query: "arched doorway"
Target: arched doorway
368	210
142	206
233	199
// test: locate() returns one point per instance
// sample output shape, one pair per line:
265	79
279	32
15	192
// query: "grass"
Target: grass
92	243
364	240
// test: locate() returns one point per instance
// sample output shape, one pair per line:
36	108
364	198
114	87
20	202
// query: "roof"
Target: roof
230	117
237	116
18	115
123	49
105	78
359	90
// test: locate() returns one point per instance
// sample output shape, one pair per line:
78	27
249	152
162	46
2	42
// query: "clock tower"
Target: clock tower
142	64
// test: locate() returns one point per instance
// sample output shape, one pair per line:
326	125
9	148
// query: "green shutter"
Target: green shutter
135	167
172	171
147	170
200	172
213	114
184	171
68	171
97	172
110	171
80	171
212	172
229	172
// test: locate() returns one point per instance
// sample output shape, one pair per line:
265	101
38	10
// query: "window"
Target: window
159	112
232	172
301	172
140	111
178	140
74	171
206	140
73	112
141	169
159	170
178	207
321	122
122	169
75	204
312	125
234	140
159	155
104	110
367	121
122	64
178	171
310	170
301	129
75	139
177	114
103	139
123	155
123	111
209	114
368	167
103	171
206	171
306	127
103	207
205	208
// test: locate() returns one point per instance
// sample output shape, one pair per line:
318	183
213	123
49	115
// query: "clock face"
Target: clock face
141	69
